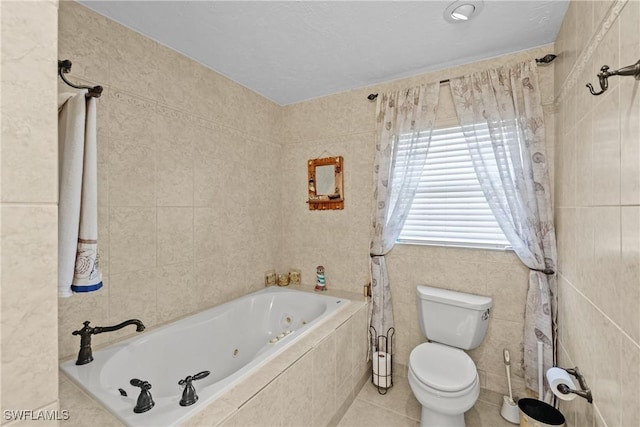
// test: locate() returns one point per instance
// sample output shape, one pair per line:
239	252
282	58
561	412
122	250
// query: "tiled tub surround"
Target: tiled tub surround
311	383
230	341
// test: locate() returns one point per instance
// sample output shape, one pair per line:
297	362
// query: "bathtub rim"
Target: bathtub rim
234	395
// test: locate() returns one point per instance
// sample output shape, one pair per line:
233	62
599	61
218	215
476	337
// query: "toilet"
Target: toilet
443	378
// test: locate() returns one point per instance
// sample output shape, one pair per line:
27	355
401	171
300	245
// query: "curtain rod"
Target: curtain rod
65	67
544	60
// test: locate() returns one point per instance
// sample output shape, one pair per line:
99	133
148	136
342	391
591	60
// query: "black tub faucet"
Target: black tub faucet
85	355
145	401
189	396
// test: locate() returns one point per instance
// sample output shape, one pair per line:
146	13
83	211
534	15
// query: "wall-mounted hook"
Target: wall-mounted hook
604	74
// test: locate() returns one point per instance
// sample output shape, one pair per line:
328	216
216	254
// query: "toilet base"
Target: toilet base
430	418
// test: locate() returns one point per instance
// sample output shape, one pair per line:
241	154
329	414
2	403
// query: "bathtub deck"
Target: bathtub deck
292	389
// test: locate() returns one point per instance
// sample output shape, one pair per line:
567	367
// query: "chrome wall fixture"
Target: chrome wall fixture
65	67
604	74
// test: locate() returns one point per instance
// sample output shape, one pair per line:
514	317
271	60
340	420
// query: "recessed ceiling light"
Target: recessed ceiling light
462	10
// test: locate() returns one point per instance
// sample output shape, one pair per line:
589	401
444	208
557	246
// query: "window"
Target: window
449	208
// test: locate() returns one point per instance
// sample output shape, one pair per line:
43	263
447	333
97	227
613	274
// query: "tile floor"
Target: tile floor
398	408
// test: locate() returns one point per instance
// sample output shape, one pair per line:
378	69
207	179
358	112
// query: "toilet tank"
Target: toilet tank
453	318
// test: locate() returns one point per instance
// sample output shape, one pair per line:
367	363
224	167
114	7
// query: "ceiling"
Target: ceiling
290	51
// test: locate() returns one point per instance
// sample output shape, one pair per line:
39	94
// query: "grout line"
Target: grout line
29	204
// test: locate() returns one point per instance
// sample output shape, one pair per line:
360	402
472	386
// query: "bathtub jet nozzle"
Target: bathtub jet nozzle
85	355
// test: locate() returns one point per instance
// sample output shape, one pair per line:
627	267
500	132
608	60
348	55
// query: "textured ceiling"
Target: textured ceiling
290	51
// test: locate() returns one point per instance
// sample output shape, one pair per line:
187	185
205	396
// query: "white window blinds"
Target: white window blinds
449	208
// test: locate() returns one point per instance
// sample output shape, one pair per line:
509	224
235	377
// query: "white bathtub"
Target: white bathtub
230	340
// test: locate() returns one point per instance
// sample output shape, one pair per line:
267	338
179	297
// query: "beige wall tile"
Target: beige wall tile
629	277
559	65
132	116
565	223
264	409
210	232
501	334
585	267
567	176
175	235
175	292
629	380
360	344
606	379
570	27
208	158
28	139
324	380
174	171
137	60
133	295
608	52
584	161
132	168
29	287
214	414
605	289
103	239
584	16
132	239
506	286
90	58
629	106
344	347
606	149
214	283
103	169
297	392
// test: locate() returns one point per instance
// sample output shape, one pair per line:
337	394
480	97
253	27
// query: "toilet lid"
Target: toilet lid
442	368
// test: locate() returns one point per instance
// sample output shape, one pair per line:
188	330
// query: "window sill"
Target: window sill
480	246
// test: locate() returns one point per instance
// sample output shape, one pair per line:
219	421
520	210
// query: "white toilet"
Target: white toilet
442	376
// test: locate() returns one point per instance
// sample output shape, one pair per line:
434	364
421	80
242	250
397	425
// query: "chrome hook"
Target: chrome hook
604	74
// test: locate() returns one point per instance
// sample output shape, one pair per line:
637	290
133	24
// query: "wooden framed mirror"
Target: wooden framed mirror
325	183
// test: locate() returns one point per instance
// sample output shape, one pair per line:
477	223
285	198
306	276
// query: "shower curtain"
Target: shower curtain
78	259
512	170
404	123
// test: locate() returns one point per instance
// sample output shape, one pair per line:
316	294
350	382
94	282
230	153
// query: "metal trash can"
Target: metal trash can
536	413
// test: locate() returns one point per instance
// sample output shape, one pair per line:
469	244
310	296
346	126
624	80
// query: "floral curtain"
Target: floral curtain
404	123
512	170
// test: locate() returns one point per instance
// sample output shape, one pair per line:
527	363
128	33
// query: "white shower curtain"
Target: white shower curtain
512	170
78	260
404	123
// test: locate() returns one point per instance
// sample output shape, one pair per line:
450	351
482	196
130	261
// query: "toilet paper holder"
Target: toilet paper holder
585	392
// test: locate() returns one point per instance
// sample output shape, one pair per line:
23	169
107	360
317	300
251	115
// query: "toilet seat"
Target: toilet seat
443	368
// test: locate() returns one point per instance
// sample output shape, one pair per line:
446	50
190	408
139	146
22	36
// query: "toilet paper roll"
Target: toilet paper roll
381	369
557	376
